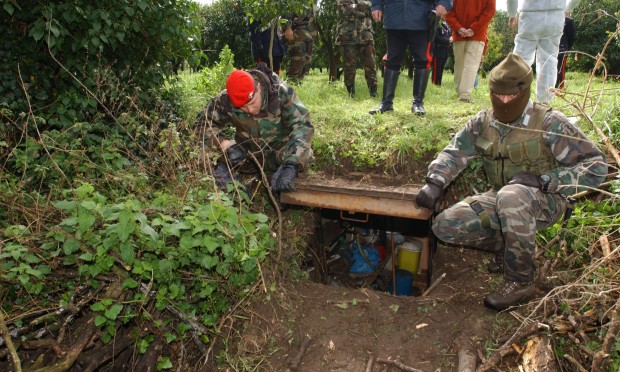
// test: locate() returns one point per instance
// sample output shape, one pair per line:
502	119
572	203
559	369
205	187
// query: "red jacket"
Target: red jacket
474	14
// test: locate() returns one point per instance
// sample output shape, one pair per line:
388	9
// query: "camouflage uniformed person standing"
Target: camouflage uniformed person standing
355	37
299	33
270	121
534	157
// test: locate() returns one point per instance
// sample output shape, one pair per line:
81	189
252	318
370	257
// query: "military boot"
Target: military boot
510	294
351	90
420	81
372	89
390	79
496	265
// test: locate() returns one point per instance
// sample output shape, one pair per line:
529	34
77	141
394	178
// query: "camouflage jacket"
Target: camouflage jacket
354	22
304	25
282	126
579	162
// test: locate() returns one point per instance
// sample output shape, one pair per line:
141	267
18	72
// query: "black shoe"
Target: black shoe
351	90
496	266
418	108
381	109
510	294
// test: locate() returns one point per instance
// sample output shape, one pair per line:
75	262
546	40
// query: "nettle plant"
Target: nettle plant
201	257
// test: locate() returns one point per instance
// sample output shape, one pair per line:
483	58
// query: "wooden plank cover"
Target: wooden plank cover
364	195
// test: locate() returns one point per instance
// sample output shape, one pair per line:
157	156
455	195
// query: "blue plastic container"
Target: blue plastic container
404	283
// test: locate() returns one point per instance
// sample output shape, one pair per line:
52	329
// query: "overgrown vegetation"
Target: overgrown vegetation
108	214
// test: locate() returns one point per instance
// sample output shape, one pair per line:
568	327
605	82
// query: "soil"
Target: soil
348	326
341	326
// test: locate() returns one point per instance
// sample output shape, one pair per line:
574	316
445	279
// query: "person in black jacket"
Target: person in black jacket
441	49
566	43
259	42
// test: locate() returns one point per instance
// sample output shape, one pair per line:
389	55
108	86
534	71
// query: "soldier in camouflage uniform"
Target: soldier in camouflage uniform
300	32
270	122
355	37
534	157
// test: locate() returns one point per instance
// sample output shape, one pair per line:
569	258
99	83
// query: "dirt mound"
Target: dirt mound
323	328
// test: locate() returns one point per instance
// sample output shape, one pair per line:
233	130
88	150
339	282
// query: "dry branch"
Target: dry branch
434	285
523	332
9	344
601	359
398	364
302	350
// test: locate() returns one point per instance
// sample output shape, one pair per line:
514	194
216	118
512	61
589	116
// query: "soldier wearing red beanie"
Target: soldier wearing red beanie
270	122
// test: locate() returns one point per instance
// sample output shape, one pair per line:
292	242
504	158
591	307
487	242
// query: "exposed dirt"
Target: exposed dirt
346	327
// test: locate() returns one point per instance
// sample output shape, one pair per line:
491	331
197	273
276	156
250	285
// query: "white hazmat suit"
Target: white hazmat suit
541	23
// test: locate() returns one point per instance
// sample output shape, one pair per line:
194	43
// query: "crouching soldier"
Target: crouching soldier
270	122
534	157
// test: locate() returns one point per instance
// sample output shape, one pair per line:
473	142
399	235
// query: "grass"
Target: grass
346	133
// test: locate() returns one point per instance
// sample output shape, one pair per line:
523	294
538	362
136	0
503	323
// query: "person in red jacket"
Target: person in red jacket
469	20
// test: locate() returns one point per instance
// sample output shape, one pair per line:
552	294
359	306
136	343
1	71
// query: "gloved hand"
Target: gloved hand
282	179
235	154
430	195
526	179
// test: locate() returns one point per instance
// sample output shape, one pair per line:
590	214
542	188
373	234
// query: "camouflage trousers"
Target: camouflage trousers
515	213
300	55
366	54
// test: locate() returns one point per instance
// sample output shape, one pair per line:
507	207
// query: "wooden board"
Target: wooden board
357	195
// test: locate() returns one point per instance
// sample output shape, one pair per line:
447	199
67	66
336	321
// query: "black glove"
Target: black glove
430	195
235	154
528	179
282	179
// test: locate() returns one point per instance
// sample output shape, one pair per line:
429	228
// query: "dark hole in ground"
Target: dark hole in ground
362	250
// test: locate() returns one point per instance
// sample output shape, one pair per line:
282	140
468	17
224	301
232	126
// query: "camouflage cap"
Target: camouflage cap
240	88
510	76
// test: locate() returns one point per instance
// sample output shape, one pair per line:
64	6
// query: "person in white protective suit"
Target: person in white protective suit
541	23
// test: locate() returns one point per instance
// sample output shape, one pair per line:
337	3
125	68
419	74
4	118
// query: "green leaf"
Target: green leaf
85	221
9	8
98	306
70	245
209	262
65	205
130	283
128	255
100	320
210	243
113	311
164	363
87	256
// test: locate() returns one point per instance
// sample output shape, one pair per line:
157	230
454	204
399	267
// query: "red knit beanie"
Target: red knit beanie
240	88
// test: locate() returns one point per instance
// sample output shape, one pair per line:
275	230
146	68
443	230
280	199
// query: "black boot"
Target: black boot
372	89
351	90
390	79
420	81
496	265
510	294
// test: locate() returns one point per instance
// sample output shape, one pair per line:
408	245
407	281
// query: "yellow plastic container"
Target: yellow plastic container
408	255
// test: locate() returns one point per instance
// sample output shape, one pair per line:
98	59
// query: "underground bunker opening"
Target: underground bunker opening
364	250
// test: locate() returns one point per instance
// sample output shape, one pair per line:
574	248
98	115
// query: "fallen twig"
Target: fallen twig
601	359
9	344
352	302
397	363
575	363
435	284
370	364
506	348
302	350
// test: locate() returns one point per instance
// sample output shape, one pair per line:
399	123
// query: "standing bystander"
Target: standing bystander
407	24
355	37
538	37
469	20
